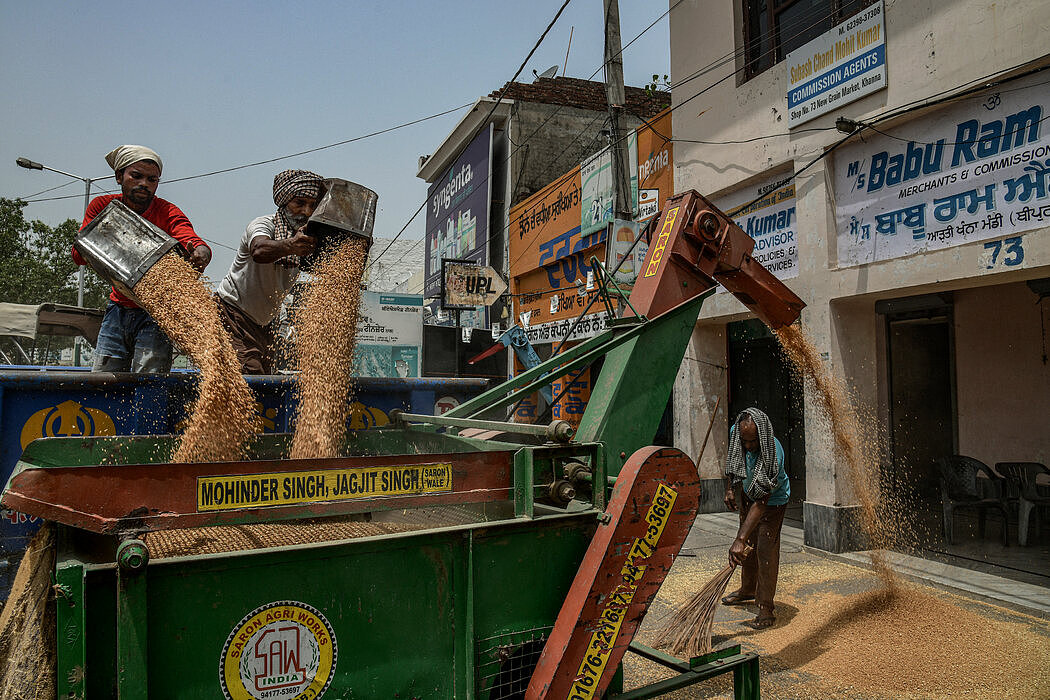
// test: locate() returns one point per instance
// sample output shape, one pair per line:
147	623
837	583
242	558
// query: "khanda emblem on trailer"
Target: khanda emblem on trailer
67	419
363	417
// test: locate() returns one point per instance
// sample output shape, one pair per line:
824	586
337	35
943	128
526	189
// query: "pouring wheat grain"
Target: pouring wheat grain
222	417
841	420
326	333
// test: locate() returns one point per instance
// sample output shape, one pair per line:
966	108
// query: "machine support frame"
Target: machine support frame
70	626
132	621
743	664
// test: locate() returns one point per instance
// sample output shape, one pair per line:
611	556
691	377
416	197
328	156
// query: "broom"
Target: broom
688	631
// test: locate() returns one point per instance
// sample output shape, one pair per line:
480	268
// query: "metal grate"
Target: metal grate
236	538
505	663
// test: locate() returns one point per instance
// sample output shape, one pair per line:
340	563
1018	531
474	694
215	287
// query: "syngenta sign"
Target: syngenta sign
460	181
973	141
458	212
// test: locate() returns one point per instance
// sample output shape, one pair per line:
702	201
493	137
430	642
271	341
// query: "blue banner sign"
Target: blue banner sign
976	170
838	67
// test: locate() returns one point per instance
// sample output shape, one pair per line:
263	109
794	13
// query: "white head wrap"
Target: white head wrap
767	469
123	156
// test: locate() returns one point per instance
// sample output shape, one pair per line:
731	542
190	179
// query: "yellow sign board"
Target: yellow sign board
235	491
656	255
603	639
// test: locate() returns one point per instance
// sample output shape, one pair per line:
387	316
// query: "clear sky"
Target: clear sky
219	84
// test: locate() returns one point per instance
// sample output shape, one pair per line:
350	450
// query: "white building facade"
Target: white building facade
921	242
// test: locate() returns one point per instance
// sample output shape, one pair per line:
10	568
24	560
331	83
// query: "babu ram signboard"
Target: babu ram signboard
977	170
838	67
458	212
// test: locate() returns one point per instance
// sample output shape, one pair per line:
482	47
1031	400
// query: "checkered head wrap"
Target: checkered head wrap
287	186
766	467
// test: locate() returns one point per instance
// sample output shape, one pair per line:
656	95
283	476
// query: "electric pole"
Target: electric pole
615	97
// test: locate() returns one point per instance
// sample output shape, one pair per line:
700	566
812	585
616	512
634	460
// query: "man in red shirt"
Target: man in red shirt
130	340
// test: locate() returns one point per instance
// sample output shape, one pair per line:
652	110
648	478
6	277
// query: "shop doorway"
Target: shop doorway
760	375
965	375
922	425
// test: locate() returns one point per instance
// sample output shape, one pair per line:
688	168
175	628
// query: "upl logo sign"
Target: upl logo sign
67	419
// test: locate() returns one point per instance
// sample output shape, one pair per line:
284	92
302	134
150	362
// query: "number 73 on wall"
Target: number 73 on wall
1008	252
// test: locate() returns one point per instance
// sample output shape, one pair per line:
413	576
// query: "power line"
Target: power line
647	123
958	92
896	112
28	198
919	104
916	104
638	36
750	140
971	142
550	116
496	104
524	143
889	114
292	155
743	48
49	189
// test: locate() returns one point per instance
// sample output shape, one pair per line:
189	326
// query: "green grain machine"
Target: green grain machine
509	568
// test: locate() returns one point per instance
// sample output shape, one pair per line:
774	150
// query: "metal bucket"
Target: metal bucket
347	210
121	246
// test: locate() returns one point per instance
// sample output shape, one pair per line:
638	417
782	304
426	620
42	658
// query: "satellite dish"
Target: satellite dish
549	73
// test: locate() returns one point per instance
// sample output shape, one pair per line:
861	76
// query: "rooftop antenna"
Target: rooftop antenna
549	73
565	64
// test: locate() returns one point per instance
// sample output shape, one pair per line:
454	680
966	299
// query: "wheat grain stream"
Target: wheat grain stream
326	333
222	418
841	420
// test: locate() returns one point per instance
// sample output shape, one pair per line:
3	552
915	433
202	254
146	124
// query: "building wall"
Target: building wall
399	263
1003	382
931	46
570	136
700	385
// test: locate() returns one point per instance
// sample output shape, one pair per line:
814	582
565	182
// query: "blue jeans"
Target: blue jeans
131	341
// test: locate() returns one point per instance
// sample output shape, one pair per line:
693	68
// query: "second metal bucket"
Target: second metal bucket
347	210
121	246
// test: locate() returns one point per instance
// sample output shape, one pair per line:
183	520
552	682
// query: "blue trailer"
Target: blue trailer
38	403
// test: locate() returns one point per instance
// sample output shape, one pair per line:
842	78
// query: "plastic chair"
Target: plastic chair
1021	477
961	488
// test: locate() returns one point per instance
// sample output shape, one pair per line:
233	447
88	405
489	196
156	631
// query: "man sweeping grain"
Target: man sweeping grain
266	267
129	339
756	478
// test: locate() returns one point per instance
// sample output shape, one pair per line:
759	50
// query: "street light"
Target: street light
33	165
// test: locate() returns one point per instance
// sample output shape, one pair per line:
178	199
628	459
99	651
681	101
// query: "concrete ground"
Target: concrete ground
945	631
971	550
986	553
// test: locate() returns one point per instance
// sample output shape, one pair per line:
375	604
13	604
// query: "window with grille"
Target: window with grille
775	28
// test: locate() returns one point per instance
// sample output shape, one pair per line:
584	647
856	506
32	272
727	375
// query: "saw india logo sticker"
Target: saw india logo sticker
284	650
